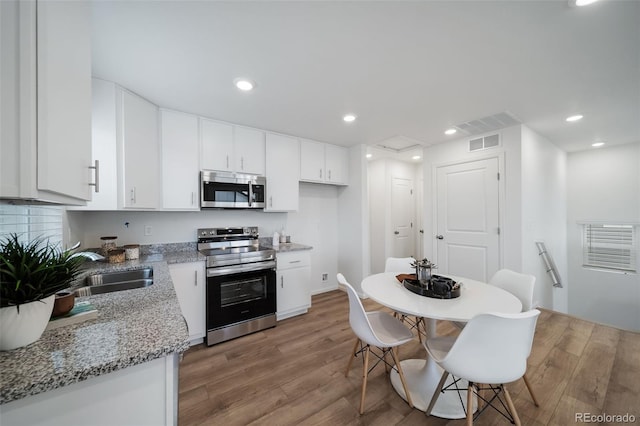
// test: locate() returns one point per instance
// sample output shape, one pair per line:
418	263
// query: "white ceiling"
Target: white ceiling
408	70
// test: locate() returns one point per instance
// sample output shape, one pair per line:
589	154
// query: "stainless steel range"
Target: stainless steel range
241	282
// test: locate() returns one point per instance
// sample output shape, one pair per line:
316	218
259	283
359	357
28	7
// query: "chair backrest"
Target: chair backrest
358	316
493	348
520	285
399	264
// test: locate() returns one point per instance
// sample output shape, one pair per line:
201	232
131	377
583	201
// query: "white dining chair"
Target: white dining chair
521	286
492	349
403	265
374	329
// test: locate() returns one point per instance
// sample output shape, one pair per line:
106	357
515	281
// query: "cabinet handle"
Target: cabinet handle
320	173
193	199
133	195
295	261
270	201
329	173
195	282
96	183
227	161
241	163
282	281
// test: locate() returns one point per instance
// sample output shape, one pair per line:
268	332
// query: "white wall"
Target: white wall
314	224
544	216
603	185
353	218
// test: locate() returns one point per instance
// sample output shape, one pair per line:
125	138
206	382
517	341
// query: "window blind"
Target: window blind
31	222
610	246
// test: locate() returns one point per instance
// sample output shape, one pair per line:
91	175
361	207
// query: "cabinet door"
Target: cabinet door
216	144
180	164
64	98
249	150
336	163
282	173
189	283
293	291
140	152
312	167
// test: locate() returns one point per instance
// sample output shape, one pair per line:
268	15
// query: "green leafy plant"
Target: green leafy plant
33	270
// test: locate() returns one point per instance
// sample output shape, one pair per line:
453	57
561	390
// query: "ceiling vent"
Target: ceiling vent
485	142
487	124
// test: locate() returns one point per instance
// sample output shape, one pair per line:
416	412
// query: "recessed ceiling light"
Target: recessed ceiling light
416	157
574	118
450	131
349	118
244	84
369	155
584	2
597	144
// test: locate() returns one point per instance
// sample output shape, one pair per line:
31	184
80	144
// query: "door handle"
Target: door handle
96	184
397	232
422	231
440	237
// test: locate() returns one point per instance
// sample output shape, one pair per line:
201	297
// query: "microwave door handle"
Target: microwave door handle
250	193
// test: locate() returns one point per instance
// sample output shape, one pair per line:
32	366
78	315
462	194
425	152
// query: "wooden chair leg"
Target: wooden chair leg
436	393
396	359
385	352
351	356
512	407
365	372
526	382
470	404
418	322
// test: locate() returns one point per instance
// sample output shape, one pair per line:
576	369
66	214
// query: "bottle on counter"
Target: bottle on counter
276	239
283	237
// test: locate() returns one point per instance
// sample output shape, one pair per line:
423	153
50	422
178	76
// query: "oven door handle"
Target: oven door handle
238	269
250	193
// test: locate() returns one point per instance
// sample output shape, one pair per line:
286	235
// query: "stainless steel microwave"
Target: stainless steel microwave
231	190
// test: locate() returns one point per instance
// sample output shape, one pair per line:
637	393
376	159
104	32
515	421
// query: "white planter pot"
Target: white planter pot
21	329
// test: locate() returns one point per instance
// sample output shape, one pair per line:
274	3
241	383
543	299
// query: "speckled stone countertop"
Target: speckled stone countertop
133	327
283	247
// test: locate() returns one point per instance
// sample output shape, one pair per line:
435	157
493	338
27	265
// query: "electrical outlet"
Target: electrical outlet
148	230
325	276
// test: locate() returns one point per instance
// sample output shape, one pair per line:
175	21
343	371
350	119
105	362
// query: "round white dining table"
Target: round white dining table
422	375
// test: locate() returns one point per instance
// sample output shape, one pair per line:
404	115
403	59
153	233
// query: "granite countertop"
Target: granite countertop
133	327
283	247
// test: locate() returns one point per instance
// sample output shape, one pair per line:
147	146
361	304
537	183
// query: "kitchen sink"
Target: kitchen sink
108	282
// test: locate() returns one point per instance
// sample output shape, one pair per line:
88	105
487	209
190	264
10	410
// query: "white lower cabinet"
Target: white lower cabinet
189	283
293	283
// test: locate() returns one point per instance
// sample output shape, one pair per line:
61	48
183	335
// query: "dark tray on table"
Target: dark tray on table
416	287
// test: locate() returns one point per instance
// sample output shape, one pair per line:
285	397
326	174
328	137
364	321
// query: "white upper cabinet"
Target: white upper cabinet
282	173
138	150
249	151
323	163
230	148
46	101
180	160
216	144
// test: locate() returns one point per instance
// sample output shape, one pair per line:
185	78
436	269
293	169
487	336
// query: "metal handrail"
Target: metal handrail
549	264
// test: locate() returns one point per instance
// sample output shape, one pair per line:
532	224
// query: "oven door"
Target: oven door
235	295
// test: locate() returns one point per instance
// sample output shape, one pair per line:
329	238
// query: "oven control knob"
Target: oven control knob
212	232
203	233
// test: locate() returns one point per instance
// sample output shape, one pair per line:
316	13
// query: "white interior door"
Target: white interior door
402	217
468	242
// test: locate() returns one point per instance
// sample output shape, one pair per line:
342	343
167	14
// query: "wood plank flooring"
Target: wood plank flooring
293	374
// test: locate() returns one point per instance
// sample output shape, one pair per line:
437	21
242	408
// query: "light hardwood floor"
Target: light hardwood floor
293	374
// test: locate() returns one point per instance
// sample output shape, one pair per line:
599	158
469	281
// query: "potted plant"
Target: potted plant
31	273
